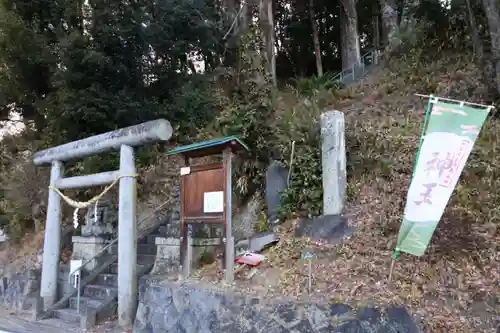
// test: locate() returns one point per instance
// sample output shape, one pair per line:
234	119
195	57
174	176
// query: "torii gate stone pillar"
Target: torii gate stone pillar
123	140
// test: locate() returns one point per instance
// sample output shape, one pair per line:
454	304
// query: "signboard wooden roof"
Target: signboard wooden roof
210	147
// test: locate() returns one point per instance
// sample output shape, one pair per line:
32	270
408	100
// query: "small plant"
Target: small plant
262	224
206	258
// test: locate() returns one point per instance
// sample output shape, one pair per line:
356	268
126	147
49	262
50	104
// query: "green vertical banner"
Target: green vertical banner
451	132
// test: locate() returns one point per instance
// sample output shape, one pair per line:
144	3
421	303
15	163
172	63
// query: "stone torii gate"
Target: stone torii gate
123	140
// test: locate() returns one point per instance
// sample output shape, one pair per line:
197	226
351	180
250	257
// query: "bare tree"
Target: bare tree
478	46
389	15
246	14
317	48
268	38
376	26
230	7
408	20
231	20
351	54
491	9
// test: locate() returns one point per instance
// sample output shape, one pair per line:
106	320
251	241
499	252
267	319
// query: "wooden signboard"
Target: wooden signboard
203	193
206	195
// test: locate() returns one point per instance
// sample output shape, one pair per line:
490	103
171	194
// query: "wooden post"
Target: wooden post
229	240
185	262
188	256
393	263
391	270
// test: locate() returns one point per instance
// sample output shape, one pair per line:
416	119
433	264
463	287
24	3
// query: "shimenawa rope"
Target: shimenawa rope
84	204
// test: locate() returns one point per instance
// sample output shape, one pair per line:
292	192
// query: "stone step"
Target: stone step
107	280
64	269
146	259
141	268
99	292
103	308
141	249
48	324
151	239
155	230
170	230
85	302
68	315
146	249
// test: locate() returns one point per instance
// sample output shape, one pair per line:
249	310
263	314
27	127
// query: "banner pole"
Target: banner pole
456	101
393	263
424	128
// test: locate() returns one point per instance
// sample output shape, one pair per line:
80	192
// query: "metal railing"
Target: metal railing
355	72
77	272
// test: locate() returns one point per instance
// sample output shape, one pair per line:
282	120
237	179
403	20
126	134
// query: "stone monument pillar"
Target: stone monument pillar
276	182
95	233
332	226
333	156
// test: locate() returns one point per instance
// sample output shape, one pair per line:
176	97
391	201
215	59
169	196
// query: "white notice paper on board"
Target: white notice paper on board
185	171
213	202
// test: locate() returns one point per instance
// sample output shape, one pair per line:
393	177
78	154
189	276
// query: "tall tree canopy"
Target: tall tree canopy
73	68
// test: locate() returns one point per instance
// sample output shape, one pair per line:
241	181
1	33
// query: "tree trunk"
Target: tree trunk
351	55
389	20
408	20
317	48
267	34
231	11
231	55
476	40
246	15
456	5
493	16
376	31
270	47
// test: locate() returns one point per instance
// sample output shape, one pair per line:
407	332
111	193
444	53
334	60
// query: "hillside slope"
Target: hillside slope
454	286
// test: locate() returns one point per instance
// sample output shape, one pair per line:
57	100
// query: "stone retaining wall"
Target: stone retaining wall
16	290
192	308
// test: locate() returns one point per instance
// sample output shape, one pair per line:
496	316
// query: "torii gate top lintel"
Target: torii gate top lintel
151	131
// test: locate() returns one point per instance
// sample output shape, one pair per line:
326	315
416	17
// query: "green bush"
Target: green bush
301	126
312	86
262	120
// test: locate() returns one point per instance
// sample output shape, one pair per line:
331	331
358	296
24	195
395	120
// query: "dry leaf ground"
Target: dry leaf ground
455	286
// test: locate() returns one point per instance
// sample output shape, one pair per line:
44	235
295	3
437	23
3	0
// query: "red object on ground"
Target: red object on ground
250	259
